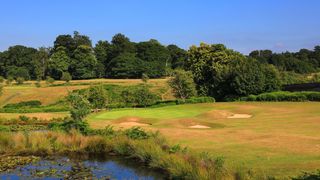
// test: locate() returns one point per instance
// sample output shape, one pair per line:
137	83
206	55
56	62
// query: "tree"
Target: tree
143	97
126	65
121	44
102	52
80	106
81	40
40	62
65	41
97	96
178	56
59	62
84	63
66	77
246	77
209	65
182	84
155	56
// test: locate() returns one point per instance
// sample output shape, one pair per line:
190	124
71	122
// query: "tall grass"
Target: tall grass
154	151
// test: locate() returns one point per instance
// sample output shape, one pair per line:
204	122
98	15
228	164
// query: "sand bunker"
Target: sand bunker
131	124
199	127
239	116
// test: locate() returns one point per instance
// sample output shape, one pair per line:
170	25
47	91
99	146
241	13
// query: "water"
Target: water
65	168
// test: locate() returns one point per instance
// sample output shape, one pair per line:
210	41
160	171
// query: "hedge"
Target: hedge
33	103
284	96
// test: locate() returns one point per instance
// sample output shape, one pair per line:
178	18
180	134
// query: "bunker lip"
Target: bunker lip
199	127
240	116
131	124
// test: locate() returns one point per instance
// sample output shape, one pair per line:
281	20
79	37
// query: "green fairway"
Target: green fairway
169	112
279	138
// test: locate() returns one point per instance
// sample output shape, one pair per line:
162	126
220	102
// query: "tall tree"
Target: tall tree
121	44
59	62
182	84
102	51
84	63
178	56
40	62
155	55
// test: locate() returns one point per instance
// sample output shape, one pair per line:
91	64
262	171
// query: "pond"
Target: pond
65	168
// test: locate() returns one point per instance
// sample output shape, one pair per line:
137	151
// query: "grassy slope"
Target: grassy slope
48	95
280	139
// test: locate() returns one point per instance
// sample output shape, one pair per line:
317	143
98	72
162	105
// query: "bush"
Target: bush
284	96
136	133
308	176
1	79
9	80
49	80
20	80
66	77
196	100
33	103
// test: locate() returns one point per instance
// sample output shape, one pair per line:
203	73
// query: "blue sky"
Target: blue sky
243	25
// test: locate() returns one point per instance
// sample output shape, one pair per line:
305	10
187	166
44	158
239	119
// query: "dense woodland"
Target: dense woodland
216	70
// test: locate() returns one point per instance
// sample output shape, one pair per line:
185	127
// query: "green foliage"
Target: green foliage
308	176
182	84
145	78
136	133
80	106
9	80
20	80
225	74
126	65
284	96
1	79
97	96
38	83
83	63
66	77
49	80
59	62
26	104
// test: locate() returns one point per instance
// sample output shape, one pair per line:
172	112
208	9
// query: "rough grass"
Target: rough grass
51	94
281	139
44	116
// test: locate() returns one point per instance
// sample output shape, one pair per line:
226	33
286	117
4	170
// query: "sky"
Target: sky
243	25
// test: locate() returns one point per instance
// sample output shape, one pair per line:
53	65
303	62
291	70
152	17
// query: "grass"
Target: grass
168	112
44	116
153	151
51	94
281	138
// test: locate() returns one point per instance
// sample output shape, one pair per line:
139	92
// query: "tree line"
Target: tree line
75	55
214	69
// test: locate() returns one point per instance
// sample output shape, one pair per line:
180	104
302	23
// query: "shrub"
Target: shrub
24	118
20	80
49	80
284	96
66	77
1	79
136	133
38	83
196	100
308	176
34	103
9	80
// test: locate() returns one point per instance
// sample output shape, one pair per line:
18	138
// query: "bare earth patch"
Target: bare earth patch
240	116
199	127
